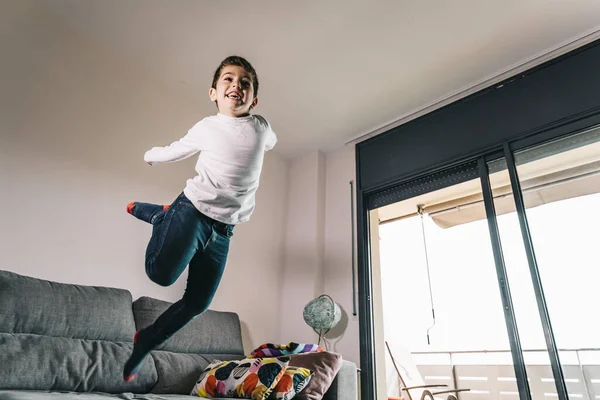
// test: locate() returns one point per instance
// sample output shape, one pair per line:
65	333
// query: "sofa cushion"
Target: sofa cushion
324	365
30	305
32	362
177	373
345	384
213	332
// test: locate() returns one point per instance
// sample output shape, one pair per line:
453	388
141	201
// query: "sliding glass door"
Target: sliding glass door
559	183
486	275
441	303
526	316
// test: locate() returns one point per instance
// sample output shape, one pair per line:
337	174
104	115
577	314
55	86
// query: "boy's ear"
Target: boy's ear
254	103
212	93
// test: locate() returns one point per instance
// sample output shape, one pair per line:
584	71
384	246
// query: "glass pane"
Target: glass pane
528	320
561	190
468	345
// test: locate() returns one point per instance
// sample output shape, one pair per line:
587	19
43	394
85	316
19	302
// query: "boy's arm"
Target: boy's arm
179	150
271	140
271	137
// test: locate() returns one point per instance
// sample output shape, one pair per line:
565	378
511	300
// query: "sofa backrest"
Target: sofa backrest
214	332
57	336
40	307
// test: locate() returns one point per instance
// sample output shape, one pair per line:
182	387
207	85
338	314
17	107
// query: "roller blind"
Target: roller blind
431	183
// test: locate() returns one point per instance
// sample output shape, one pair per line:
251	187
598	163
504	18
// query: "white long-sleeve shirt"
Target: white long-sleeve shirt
228	166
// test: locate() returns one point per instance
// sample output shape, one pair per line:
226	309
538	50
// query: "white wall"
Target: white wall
74	124
317	263
304	248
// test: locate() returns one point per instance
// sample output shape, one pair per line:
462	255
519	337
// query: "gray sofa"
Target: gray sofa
61	341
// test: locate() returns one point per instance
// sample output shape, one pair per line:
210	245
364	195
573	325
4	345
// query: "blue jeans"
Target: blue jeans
182	236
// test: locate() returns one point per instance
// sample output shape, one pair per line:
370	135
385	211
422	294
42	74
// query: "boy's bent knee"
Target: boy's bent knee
163	281
160	278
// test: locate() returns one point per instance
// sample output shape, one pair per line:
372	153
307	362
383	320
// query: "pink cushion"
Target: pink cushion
324	365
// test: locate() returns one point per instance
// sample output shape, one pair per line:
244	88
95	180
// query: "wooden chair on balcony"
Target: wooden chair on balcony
412	385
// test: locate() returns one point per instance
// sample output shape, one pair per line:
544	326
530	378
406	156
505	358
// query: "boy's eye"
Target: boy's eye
228	79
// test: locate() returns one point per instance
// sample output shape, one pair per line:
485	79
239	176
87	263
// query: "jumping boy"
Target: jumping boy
196	228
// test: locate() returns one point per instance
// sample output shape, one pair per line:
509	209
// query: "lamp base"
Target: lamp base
321	333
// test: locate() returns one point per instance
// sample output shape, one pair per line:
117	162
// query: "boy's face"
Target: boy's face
234	93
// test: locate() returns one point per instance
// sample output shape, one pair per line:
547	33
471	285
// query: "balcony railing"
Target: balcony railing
490	374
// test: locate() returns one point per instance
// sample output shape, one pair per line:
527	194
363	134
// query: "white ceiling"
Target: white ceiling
329	70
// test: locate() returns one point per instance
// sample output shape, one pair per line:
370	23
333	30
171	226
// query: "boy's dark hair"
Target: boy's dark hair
240	62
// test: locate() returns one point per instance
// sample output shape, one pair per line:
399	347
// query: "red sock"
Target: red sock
166	207
130	208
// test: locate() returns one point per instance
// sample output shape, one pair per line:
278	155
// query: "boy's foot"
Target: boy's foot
130	208
145	211
134	363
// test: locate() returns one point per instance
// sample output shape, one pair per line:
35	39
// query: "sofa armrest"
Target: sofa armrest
345	384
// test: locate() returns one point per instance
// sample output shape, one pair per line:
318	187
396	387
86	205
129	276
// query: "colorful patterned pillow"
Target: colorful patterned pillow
244	379
292	382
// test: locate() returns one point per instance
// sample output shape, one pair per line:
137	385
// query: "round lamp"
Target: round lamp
322	314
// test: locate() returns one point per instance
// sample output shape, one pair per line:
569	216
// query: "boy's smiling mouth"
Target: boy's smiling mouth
234	96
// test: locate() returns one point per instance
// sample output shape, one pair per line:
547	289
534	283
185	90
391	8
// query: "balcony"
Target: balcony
490	374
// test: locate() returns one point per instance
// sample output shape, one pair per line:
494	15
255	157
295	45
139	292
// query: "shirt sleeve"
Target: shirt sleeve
271	137
271	140
179	150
